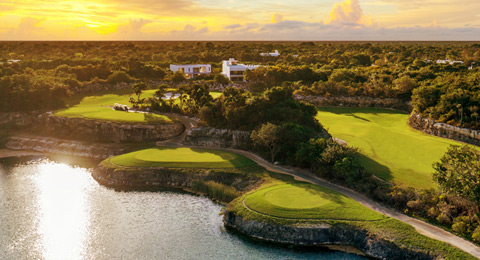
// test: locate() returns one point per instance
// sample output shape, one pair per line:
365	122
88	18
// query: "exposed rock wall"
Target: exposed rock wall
390	103
103	131
61	146
322	234
429	126
212	137
133	177
91	130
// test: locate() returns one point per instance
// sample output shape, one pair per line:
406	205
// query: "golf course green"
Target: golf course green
307	201
170	157
390	148
100	108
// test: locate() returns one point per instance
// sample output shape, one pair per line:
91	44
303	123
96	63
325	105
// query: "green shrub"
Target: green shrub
443	218
215	190
119	77
461	224
476	234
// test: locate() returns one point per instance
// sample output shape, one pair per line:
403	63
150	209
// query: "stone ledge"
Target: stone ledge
429	126
321	235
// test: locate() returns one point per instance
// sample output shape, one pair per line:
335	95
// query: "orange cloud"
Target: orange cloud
349	12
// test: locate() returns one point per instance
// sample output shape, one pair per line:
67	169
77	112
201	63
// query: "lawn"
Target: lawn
390	148
182	158
99	107
306	201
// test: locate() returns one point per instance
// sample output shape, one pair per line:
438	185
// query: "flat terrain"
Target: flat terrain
307	201
182	158
391	149
99	108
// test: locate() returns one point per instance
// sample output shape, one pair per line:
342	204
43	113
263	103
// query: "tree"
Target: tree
458	172
178	77
137	89
404	86
221	79
162	90
267	137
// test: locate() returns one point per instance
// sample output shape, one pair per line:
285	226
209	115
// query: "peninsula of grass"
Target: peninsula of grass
391	149
267	197
307	201
100	108
170	157
292	203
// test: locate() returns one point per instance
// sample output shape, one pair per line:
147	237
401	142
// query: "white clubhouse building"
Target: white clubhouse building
235	71
192	70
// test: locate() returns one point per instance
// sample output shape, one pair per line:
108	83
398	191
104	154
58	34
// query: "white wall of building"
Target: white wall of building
234	71
192	70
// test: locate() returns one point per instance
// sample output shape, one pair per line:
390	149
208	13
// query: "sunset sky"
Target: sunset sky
240	20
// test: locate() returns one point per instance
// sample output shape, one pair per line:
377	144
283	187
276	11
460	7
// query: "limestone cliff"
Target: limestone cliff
91	130
429	126
322	234
213	137
61	146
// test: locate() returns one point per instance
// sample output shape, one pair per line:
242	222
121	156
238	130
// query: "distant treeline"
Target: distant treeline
48	71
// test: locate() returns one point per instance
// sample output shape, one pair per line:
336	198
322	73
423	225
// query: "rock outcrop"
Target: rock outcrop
115	176
322	234
91	130
61	146
431	127
390	103
213	137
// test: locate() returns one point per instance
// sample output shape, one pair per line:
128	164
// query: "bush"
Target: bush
215	190
476	234
461	224
443	219
119	77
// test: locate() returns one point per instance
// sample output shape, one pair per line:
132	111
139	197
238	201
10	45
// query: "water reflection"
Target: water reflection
63	212
51	210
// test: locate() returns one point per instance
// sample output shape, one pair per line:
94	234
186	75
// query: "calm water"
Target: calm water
51	210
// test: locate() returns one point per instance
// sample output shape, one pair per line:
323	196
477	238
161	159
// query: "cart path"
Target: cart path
422	227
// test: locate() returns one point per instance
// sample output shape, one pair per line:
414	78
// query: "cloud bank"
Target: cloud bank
159	20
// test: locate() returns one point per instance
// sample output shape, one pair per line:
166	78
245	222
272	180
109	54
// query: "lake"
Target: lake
55	210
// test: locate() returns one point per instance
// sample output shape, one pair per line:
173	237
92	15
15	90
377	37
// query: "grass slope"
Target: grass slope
392	150
182	158
99	108
306	201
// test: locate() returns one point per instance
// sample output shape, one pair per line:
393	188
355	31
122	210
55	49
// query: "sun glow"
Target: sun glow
63	212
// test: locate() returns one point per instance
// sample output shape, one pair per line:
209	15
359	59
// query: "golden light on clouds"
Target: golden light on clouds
223	20
350	12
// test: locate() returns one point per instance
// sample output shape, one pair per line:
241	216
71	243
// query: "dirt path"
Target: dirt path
421	226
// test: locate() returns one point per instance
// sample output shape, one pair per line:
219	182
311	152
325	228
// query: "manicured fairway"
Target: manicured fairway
392	150
99	107
306	201
182	158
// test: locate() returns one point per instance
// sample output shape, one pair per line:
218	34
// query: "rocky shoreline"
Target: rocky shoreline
431	127
315	234
64	147
90	130
322	234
